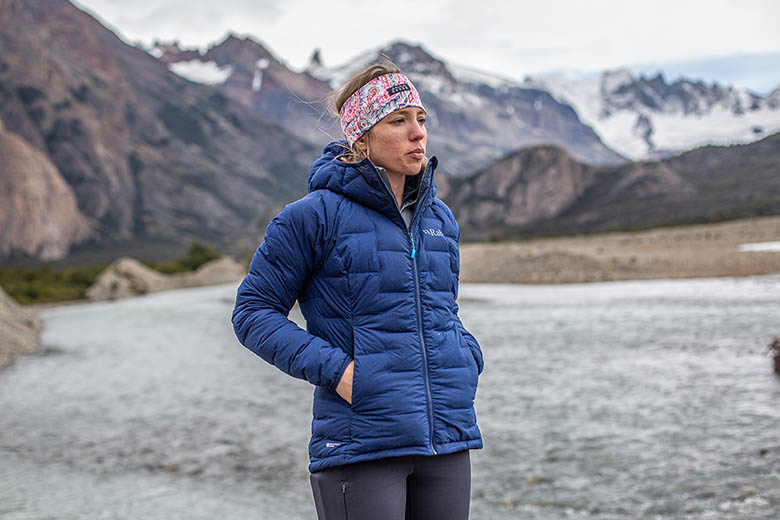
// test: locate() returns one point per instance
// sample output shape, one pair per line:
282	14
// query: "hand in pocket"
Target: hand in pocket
344	388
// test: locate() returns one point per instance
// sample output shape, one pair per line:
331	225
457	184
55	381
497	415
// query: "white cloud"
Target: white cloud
515	38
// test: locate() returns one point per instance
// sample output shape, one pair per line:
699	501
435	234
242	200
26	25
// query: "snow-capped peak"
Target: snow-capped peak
613	80
413	59
646	117
205	72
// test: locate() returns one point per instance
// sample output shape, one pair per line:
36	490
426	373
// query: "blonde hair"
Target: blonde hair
355	153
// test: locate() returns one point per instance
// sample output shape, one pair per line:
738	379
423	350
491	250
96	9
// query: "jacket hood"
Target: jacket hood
361	181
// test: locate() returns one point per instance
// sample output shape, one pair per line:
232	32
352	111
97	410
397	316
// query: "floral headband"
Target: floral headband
373	101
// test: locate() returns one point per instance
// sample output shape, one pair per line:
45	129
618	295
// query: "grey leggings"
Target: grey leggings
413	487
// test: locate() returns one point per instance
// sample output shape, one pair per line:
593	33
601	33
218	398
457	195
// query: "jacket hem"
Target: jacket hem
441	449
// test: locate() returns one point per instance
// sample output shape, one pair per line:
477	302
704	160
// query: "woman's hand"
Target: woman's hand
344	388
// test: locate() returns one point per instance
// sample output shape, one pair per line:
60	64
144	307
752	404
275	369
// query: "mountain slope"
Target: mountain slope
146	153
248	72
543	190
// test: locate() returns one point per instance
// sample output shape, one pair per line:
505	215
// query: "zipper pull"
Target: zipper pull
413	250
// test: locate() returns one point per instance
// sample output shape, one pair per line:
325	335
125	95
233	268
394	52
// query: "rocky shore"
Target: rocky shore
19	330
705	250
128	277
20	326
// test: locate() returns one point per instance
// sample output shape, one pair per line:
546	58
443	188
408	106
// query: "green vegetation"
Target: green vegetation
46	284
197	255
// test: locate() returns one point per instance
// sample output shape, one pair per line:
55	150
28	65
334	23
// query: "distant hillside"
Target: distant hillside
143	153
543	191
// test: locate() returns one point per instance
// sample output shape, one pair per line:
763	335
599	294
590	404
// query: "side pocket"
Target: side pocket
470	360
352	408
355	378
344	495
330	493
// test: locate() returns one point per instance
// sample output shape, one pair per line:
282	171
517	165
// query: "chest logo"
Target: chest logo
433	232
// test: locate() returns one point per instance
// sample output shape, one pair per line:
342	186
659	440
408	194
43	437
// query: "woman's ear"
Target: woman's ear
361	144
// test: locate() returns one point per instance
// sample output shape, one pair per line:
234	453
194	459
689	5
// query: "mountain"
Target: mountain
758	70
248	72
773	99
649	118
544	190
147	155
474	117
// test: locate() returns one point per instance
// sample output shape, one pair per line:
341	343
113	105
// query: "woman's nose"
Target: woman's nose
417	132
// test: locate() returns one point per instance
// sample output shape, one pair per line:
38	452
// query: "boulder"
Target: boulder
19	330
774	350
127	277
221	270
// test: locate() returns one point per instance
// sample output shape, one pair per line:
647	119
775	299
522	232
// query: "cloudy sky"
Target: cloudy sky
512	38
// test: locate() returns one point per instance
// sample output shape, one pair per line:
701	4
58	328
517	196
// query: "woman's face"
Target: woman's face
397	142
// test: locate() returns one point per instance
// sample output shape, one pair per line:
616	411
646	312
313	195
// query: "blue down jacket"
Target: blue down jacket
373	291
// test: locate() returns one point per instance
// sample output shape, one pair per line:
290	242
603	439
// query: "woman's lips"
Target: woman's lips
417	154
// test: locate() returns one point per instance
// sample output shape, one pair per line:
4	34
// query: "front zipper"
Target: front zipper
422	342
418	305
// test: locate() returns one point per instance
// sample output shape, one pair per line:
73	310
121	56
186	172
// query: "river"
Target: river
645	399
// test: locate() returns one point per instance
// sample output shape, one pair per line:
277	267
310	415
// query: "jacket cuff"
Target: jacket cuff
339	373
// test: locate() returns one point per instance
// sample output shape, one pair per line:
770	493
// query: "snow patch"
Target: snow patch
759	247
205	72
476	77
257	79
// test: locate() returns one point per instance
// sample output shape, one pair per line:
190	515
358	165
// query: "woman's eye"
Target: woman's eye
421	120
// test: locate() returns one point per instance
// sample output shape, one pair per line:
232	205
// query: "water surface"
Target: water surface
651	399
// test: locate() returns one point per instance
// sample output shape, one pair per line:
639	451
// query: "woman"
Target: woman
372	258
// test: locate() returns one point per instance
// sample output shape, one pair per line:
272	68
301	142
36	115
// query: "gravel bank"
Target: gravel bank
706	250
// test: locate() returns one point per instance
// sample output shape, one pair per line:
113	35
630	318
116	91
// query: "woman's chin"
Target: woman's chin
407	167
414	168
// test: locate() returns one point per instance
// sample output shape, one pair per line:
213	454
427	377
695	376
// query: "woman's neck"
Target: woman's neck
397	182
